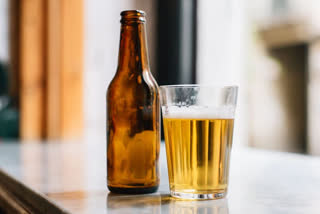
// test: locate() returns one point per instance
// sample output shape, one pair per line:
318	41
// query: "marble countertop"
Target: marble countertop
73	176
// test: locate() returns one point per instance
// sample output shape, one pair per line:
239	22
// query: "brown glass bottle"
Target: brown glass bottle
133	114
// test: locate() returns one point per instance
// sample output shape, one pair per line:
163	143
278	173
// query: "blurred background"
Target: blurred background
57	58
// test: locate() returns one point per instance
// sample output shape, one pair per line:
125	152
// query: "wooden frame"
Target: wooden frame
48	62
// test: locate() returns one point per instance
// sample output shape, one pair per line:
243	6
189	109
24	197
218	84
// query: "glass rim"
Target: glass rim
198	86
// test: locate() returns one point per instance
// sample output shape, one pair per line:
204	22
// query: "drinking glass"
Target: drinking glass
198	126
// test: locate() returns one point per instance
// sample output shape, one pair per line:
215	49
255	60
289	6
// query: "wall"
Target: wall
221	53
4	30
278	99
313	136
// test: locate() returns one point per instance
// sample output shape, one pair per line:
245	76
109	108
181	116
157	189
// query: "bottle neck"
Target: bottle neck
133	56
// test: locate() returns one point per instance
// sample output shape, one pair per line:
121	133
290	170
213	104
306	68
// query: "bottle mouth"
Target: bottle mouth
132	15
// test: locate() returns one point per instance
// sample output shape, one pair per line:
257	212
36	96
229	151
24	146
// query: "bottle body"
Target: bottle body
133	116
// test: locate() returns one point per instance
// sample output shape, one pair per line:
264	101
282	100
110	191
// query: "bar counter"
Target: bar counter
70	177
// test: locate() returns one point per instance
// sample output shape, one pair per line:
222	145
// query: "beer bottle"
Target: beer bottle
133	114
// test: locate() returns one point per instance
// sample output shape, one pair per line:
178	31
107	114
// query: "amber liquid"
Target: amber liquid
198	152
133	115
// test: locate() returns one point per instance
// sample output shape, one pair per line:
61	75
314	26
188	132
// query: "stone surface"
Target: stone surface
73	176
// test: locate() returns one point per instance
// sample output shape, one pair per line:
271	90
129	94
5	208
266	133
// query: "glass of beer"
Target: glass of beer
198	127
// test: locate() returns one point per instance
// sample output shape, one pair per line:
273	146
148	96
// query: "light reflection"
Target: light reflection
53	168
134	203
198	207
163	203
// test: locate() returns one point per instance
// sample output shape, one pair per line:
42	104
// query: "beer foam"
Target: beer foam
198	112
